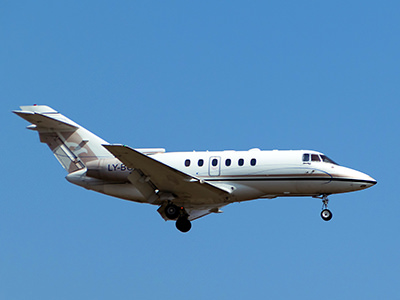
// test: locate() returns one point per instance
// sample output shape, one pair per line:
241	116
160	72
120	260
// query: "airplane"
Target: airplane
189	185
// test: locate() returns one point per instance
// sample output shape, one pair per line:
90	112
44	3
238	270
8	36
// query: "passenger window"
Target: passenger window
228	162
187	162
200	162
214	162
306	157
315	157
253	161
241	162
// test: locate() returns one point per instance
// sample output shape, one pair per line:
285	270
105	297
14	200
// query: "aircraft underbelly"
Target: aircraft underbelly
278	181
125	191
252	189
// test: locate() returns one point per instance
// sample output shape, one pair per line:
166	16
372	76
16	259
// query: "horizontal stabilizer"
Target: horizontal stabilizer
42	121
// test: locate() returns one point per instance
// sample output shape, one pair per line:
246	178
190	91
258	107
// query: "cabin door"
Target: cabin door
214	166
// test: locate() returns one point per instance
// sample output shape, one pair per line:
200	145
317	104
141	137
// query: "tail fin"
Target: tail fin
72	145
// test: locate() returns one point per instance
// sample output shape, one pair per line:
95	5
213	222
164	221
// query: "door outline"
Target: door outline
214	170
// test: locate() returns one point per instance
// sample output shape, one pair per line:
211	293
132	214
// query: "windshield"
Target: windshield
315	157
327	159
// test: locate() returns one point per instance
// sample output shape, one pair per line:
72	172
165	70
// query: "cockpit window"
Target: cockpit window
327	160
319	158
315	157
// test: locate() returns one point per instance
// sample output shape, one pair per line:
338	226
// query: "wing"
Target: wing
197	196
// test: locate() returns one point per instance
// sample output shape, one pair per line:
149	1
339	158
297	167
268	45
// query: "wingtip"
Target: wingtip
113	145
22	112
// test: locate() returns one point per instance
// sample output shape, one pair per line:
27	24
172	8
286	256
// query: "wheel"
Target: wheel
326	214
171	211
183	224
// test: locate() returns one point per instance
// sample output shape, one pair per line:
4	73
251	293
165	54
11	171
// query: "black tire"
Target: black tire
183	224
326	214
171	211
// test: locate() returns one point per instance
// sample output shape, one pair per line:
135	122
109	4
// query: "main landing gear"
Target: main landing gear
183	224
174	212
326	214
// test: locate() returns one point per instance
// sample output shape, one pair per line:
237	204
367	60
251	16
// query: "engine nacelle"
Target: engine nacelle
110	169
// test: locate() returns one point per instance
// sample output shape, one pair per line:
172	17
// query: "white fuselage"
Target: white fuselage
188	185
245	175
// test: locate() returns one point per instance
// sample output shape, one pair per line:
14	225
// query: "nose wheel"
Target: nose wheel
326	214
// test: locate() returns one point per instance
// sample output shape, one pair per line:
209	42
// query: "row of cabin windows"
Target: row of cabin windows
228	162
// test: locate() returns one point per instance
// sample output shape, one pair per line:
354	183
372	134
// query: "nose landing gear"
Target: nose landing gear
326	214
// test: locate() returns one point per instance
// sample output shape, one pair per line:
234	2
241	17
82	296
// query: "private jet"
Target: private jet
188	185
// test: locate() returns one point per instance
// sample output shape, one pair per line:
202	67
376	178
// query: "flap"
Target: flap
188	189
199	213
195	213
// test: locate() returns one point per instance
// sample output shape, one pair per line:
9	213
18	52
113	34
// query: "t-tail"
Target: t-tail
72	145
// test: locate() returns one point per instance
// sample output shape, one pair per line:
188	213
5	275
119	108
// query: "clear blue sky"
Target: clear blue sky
215	75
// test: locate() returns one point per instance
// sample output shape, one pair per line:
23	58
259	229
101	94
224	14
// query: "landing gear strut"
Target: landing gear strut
326	214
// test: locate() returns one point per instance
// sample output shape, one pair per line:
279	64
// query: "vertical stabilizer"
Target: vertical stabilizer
72	145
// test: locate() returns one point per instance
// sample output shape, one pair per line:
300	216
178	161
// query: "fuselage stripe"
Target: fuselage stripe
288	179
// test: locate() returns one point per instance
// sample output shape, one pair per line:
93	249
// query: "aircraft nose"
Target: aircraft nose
373	181
370	181
364	180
